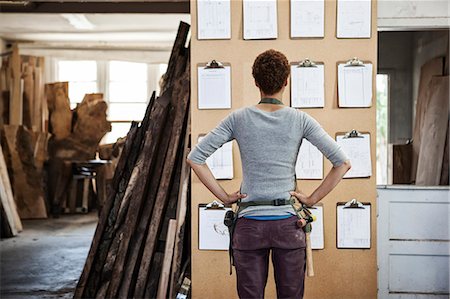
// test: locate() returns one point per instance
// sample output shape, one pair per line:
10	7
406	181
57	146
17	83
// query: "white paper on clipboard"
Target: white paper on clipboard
221	161
358	151
309	162
317	234
307	86
355	85
214	87
212	232
353	226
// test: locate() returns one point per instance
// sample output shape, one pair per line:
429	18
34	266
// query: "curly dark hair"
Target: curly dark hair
270	70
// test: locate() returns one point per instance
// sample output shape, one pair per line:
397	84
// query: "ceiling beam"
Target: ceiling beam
174	6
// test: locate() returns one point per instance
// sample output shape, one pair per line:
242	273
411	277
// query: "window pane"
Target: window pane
127	71
77	90
77	70
117	130
132	111
382	128
128	92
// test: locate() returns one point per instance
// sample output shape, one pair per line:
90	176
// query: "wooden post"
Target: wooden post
15	100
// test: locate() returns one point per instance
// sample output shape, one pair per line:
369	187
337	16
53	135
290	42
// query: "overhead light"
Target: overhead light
79	21
10	2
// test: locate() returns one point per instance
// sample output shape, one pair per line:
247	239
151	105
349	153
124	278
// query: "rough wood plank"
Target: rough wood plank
181	214
181	97
28	90
106	219
131	268
38	89
15	101
174	61
136	189
167	261
431	154
152	285
431	68
401	164
57	95
7	198
92	276
26	177
4	92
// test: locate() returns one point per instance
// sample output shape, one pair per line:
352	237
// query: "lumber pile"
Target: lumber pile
25	153
23	126
22	99
75	137
137	249
430	149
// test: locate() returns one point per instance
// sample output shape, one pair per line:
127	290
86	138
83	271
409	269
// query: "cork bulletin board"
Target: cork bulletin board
339	273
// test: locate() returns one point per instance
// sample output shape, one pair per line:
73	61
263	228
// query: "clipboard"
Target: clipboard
317	232
361	167
214	85
221	161
315	91
350	90
353	225
212	232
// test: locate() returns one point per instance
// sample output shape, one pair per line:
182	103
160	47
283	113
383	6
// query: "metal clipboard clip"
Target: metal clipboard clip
307	63
354	62
353	134
353	204
213	64
215	205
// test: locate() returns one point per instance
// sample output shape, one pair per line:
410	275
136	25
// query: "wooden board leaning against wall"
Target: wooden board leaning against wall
334	268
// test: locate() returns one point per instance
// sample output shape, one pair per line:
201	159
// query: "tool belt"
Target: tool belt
231	217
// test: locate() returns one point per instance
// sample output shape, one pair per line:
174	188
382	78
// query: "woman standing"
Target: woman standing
269	136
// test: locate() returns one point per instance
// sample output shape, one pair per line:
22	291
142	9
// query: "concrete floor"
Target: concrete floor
46	259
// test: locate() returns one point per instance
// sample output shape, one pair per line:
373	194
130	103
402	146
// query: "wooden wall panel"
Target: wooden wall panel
344	273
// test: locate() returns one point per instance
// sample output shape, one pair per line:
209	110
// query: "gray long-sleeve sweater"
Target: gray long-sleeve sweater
269	143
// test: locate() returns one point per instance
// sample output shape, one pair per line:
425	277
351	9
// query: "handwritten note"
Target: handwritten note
307	86
358	150
355	85
214	88
307	18
309	162
260	19
213	19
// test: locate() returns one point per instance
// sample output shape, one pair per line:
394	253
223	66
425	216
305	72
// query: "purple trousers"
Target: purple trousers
252	242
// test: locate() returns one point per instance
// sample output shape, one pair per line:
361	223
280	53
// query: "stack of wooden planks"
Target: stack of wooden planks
23	134
430	146
137	249
22	99
75	137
